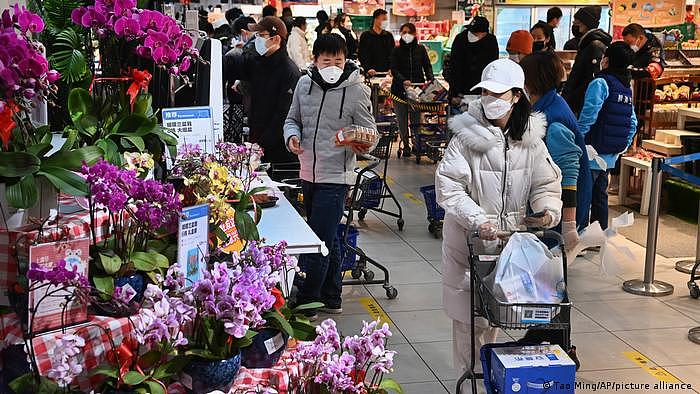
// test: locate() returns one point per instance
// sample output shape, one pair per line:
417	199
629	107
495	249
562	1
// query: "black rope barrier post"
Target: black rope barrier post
685	266
694	335
648	286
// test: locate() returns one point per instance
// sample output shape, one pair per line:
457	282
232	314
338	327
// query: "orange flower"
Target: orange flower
7	123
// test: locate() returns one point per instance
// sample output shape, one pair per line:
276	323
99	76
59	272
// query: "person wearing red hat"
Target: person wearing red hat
272	77
519	45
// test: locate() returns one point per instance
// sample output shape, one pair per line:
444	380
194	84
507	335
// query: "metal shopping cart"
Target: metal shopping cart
435	212
375	192
360	272
514	316
429	135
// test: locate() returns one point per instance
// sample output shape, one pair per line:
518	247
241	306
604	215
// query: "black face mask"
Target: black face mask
537	46
576	31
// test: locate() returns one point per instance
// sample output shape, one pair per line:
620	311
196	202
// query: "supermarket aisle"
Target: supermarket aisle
610	327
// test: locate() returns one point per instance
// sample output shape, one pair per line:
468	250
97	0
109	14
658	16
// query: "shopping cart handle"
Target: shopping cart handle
383	124
542	234
373	162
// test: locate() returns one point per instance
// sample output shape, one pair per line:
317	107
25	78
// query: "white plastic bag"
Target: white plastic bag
527	272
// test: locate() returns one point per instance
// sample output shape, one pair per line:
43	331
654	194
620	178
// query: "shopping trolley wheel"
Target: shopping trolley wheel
362	213
400	223
391	292
438	233
356	273
369	275
431	227
694	289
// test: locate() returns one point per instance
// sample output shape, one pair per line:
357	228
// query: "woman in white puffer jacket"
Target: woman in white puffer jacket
494	167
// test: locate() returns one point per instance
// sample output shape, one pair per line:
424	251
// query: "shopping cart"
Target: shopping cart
513	316
429	135
692	286
361	274
435	212
376	191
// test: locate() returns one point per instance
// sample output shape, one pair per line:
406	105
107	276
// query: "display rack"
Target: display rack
646	102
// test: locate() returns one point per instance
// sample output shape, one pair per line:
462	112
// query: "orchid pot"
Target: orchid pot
266	349
204	376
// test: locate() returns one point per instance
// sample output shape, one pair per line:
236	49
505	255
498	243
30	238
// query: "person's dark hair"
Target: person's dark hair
619	55
338	21
546	30
299	21
544	71
241	23
269	10
411	28
554	13
519	116
322	16
287	11
331	44
232	14
377	13
634	30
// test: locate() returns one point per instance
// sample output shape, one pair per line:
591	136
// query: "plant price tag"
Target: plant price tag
274	344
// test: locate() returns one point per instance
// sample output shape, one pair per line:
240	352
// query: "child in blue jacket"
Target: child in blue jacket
543	74
608	122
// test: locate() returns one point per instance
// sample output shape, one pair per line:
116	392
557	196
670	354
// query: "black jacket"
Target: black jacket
572	44
350	43
649	61
272	80
586	66
468	60
409	62
375	49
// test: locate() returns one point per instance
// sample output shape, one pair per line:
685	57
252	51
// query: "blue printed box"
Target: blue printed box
532	369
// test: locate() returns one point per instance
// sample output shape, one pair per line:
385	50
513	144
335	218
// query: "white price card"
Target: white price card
192	241
192	125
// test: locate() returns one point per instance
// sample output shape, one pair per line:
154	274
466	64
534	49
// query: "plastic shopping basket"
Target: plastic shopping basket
435	212
347	257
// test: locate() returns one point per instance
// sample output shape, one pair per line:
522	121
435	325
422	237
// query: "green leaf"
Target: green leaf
68	52
111	151
144	261
143	105
202	353
156	245
111	264
23	194
106	370
246	226
155	387
80	103
23	383
135	141
391	385
150	358
105	284
220	234
172	367
71	140
18	164
134	125
303	331
132	378
280	322
310	305
73	159
39	150
65	181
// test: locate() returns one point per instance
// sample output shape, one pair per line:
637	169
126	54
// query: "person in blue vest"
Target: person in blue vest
608	122
543	75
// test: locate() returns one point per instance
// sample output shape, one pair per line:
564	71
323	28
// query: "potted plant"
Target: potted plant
31	166
141	213
355	365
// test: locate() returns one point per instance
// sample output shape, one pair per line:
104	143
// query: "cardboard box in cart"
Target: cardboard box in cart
532	369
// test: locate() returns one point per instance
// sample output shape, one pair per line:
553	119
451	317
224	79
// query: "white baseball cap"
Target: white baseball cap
501	75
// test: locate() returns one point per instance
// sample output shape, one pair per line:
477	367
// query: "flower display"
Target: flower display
343	368
58	275
64	359
155	36
24	70
139	162
162	319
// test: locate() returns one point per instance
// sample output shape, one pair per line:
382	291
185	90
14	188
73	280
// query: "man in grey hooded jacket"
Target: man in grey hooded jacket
329	98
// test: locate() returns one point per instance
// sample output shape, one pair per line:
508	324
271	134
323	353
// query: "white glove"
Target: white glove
488	231
570	235
538	221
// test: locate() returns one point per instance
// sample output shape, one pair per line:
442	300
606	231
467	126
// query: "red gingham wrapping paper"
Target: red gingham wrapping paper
10	331
279	377
69	226
96	343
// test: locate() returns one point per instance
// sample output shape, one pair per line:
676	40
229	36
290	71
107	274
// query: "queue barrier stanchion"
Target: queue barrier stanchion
686	266
648	286
694	335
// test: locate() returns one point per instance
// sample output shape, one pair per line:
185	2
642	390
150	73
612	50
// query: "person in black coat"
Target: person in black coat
324	26
409	64
472	50
343	24
590	53
649	60
272	77
376	45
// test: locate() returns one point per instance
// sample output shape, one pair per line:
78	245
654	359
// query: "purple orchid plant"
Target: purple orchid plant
152	35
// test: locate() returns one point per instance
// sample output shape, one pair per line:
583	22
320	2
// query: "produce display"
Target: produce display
673	92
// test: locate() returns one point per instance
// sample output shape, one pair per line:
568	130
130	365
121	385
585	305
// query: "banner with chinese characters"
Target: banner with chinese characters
414	7
52	307
648	14
361	7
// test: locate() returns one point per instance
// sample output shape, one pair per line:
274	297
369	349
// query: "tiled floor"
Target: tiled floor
607	322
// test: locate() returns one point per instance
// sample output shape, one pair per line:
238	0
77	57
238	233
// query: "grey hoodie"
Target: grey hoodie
317	112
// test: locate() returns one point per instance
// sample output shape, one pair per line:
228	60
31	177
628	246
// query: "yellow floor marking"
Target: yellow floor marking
389	180
410	197
375	310
643	362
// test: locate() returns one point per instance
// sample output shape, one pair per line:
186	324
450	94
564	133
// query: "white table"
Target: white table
684	114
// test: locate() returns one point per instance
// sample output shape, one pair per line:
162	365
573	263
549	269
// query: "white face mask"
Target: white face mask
331	74
494	107
635	48
385	24
408	38
472	37
261	45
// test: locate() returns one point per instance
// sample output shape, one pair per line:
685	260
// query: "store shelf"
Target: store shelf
662	147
